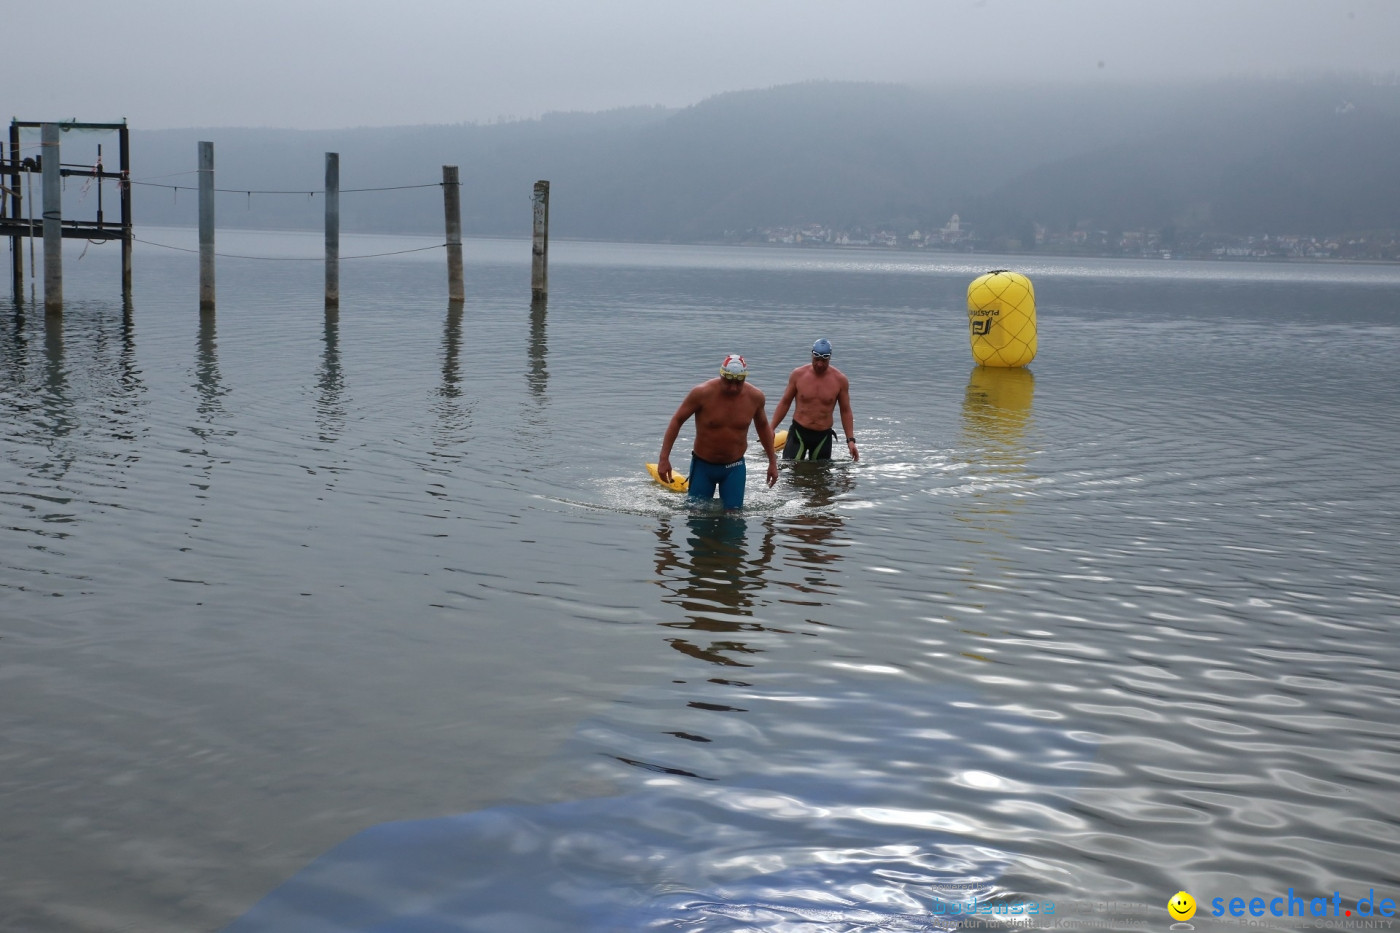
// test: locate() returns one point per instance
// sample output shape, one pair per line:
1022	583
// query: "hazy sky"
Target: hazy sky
337	63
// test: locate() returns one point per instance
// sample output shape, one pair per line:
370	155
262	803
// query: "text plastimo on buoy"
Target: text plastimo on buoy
1001	319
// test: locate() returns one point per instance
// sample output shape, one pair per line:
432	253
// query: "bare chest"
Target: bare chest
817	392
726	415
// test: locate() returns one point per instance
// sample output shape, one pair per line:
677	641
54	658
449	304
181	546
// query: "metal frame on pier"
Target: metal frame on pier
17	219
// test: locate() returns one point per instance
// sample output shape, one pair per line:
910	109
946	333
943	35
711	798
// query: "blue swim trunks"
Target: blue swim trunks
729	477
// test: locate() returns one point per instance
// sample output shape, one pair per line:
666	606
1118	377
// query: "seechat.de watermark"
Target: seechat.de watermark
1299	905
1247	909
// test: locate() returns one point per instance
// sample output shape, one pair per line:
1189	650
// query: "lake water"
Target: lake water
1088	634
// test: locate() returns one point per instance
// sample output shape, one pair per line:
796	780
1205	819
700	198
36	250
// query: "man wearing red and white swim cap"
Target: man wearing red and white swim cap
723	409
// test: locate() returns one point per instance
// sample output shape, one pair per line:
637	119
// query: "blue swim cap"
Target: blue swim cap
822	348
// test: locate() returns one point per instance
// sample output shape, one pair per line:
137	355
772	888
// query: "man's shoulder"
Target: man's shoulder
750	394
704	389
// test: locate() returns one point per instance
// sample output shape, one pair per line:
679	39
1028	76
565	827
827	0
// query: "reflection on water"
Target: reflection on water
714	579
831	800
330	403
454	406
128	373
211	424
71	413
57	421
811	536
208	384
73	429
452	352
996	416
537	377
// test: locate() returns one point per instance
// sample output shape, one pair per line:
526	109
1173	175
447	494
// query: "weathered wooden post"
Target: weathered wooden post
128	232
53	219
539	268
452	210
206	226
5	201
332	229
17	206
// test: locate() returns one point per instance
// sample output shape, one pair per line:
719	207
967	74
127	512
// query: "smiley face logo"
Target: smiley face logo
1182	906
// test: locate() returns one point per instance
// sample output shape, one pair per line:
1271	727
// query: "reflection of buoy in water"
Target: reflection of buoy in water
998	403
996	418
1001	318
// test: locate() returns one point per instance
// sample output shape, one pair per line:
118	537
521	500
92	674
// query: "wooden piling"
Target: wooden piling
206	226
452	211
332	229
538	376
128	232
539	267
5	206
17	212
53	219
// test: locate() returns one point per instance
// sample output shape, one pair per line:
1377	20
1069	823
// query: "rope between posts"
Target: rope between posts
309	194
400	252
167	175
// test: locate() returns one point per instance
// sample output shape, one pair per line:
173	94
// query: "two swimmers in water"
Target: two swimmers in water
725	407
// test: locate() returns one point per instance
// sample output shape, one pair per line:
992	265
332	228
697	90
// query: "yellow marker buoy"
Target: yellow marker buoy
1001	319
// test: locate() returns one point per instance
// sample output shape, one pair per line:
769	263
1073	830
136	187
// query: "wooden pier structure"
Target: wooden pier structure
17	219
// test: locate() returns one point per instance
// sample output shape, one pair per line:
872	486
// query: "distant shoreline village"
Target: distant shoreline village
956	236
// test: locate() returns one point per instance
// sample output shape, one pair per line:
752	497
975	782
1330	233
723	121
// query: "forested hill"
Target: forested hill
1277	156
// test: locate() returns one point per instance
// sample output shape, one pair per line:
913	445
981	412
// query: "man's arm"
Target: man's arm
784	403
843	399
765	437
689	406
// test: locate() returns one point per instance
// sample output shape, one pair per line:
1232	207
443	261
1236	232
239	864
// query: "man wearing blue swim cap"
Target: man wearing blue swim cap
817	388
723	407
